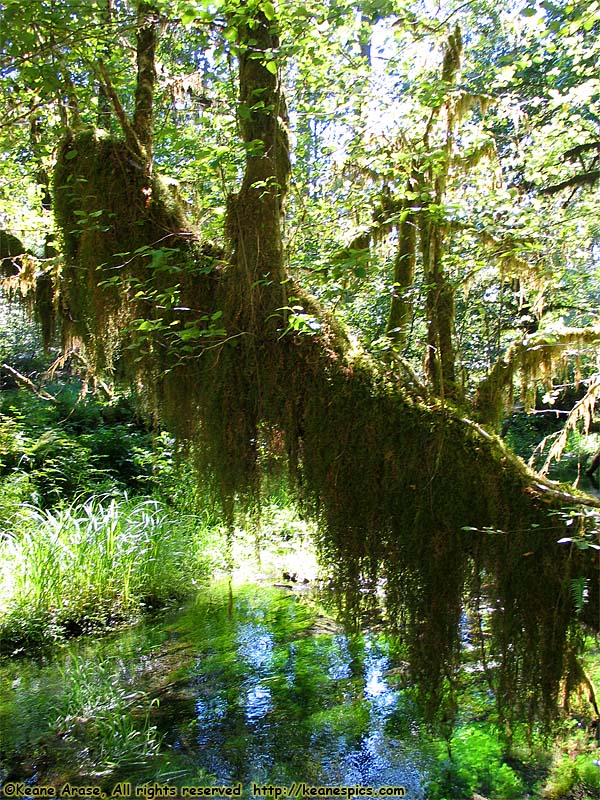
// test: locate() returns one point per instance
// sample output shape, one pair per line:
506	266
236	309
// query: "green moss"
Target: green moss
124	243
10	249
392	482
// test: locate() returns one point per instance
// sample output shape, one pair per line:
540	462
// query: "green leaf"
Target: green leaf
231	34
271	67
268	9
188	16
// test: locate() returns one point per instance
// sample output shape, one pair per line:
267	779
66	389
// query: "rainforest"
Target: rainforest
299	447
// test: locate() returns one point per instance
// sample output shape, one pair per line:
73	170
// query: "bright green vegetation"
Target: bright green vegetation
56	451
129	705
94	563
332	268
361	452
249	683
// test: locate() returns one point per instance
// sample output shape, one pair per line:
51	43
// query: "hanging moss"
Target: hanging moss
393	482
128	254
10	250
535	357
29	281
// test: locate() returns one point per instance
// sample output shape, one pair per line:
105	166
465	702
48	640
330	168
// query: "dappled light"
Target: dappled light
307	284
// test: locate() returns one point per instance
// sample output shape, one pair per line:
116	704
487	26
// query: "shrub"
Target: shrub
476	765
574	778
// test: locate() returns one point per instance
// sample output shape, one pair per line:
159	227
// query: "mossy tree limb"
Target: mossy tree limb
440	358
409	496
532	357
137	132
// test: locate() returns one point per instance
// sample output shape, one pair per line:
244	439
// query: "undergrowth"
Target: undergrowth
90	565
54	451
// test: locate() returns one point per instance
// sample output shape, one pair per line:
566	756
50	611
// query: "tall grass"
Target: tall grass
82	566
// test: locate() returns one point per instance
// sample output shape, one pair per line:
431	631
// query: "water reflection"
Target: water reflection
258	703
255	645
246	694
339	658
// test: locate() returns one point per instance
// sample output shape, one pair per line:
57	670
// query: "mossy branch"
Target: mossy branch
531	357
132	140
404	275
588	178
392	480
24	381
581	413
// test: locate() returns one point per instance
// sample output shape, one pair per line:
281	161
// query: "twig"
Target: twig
22	380
131	136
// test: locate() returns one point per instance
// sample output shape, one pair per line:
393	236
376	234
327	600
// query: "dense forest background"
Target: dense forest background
344	251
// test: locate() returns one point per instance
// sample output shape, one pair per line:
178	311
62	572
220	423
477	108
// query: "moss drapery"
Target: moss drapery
410	497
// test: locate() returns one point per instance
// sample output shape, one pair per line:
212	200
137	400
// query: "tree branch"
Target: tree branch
24	381
583	179
131	137
575	152
529	356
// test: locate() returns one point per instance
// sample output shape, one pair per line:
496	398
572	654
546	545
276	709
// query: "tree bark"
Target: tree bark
439	304
143	118
404	275
104	101
254	214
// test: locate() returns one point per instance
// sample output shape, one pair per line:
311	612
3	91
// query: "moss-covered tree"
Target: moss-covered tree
234	356
229	352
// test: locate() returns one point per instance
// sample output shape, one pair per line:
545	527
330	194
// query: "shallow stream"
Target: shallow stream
248	686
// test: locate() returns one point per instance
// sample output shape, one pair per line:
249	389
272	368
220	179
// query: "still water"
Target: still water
247	686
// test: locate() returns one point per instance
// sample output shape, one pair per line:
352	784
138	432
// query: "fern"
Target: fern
579	593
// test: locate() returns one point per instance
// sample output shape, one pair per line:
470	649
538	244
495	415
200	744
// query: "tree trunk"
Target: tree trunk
254	214
409	496
104	104
439	303
143	118
404	275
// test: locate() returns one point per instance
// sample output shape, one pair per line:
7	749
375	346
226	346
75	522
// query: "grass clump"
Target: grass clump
90	565
110	717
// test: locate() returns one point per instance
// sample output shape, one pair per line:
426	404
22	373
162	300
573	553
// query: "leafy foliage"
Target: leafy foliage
224	344
69	448
476	765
